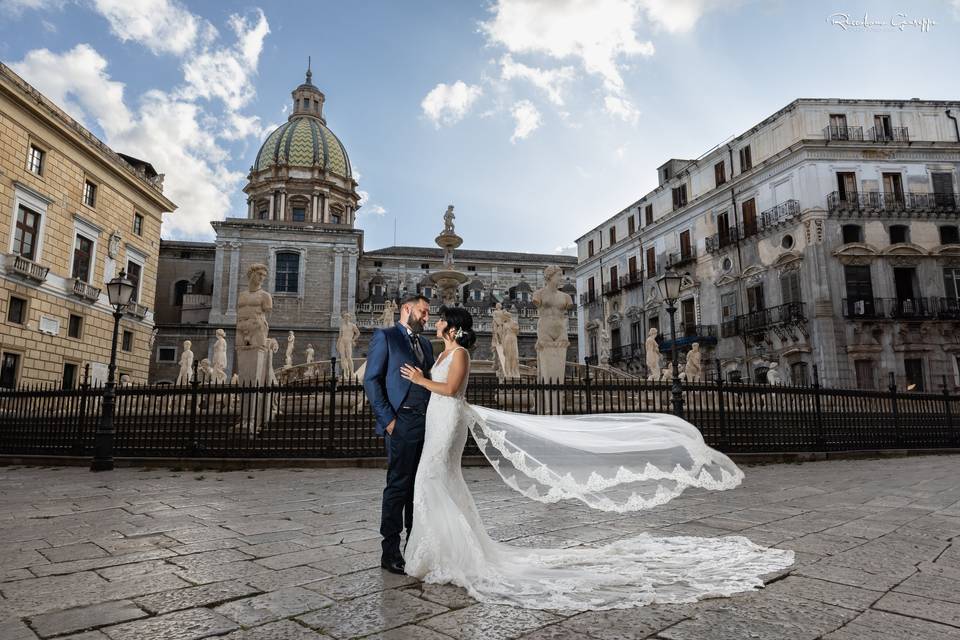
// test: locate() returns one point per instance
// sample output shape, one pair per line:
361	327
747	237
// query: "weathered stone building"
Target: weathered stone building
825	235
74	214
302	203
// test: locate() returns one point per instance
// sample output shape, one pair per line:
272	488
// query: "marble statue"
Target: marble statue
253	307
448	218
694	367
511	352
604	345
310	354
500	319
389	311
552	340
288	361
235	378
186	364
274	346
204	371
220	358
774	376
349	333
125	380
652	355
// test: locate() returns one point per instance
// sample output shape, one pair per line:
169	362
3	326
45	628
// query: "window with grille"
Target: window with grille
287	272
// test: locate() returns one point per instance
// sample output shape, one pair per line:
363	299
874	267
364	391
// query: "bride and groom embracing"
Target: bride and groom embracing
610	462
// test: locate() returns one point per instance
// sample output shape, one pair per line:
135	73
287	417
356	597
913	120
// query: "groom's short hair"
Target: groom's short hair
414	299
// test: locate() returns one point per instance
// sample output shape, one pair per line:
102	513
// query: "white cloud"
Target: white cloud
163	26
526	120
550	81
567	249
15	7
679	16
448	104
239	127
375	209
621	108
598	32
620	152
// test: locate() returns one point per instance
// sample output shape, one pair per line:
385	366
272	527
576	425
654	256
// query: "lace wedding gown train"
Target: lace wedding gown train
612	462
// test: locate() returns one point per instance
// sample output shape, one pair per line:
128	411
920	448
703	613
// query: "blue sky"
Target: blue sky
537	119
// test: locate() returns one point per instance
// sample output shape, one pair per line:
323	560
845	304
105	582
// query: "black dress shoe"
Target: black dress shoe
394	566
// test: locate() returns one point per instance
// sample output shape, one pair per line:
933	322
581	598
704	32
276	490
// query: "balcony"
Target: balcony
899	309
911	308
631	279
689	334
719	241
611	288
763	320
681	258
889	203
136	310
948	309
587	298
728	328
893	134
29	269
783	212
854	134
83	290
202	301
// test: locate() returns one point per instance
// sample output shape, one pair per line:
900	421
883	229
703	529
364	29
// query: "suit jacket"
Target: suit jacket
386	389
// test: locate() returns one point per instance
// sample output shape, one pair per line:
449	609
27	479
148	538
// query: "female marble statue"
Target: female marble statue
288	361
500	319
310	354
511	353
220	358
552	340
348	337
652	355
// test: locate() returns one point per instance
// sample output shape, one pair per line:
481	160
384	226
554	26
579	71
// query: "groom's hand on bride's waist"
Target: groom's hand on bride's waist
390	426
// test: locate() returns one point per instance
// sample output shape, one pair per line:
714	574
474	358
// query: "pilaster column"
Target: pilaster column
250	208
337	288
326	205
352	254
216	305
271	214
314	208
282	213
231	313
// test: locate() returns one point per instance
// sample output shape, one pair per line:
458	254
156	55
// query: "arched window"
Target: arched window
179	289
287	272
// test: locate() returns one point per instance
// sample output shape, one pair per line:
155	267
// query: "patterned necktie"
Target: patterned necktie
415	344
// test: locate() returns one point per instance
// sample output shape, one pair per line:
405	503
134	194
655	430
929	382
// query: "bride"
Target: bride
611	462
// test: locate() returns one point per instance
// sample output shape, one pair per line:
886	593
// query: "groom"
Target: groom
400	408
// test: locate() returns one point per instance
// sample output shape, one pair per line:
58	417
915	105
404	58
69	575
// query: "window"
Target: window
425	265
866	374
951	284
913	369
679	196
477	294
613	236
127	342
852	233
749	211
723	228
35	160
287	272
790	287
653	322
949	235
262	214
728	306
631	225
377	263
26	233
517	270
838	127
882	129
719	173
746	161
138	224
892	189
632	267
614	281
755	300
636	333
651	262
427	292
335	218
299	214
590	249
847	186
688	315
82	257
89	194
179	290
899	233
859	287
69	375
686	247
75	326
471	268
16	310
591	289
648	214
943	190
167	354
134	273
9	366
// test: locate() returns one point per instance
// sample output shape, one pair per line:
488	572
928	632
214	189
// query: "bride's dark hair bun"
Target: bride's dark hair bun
459	319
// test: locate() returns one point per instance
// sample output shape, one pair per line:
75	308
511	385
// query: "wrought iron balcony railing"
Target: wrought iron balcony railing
681	258
893	134
948	309
589	297
783	212
886	203
843	133
83	290
765	319
611	288
910	308
865	308
27	268
719	241
728	328
688	334
897	308
631	279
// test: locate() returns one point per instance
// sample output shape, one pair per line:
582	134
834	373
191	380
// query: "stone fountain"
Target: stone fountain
448	280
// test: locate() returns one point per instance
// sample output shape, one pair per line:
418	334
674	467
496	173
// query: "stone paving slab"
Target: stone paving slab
293	554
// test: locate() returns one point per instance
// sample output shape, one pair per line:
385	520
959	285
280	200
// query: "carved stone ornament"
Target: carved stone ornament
113	246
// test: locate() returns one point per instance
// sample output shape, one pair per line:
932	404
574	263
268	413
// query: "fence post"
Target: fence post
587	386
721	409
82	422
818	405
946	405
894	409
333	398
194	383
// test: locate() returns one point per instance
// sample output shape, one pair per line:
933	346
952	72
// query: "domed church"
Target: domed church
302	203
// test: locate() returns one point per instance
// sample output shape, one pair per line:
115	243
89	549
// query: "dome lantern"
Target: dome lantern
307	99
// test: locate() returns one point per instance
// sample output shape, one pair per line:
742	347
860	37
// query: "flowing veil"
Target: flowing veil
611	462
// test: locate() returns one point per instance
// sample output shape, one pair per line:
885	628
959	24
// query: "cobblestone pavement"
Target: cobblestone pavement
287	554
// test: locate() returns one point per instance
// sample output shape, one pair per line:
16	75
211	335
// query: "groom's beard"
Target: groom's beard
416	326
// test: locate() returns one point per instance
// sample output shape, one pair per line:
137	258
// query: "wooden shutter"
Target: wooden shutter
685	244
749	209
651	262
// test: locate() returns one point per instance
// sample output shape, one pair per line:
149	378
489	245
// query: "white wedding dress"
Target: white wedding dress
612	462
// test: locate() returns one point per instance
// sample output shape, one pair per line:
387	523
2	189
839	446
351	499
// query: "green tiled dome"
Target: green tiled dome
304	141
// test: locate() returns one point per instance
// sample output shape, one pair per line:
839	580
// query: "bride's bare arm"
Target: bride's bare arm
458	370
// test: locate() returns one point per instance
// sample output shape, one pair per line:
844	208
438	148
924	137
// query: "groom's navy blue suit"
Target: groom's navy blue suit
392	397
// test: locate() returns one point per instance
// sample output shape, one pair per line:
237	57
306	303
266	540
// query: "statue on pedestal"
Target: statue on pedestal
603	355
349	333
204	371
774	376
652	354
511	352
448	218
186	364
552	330
220	358
310	354
500	319
288	362
253	307
389	311
694	367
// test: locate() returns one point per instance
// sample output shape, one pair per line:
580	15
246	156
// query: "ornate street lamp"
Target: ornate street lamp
669	284
119	290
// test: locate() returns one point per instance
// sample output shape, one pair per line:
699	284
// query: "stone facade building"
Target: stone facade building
300	223
825	235
74	213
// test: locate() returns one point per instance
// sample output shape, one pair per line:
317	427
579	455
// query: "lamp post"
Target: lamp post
119	290
669	285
